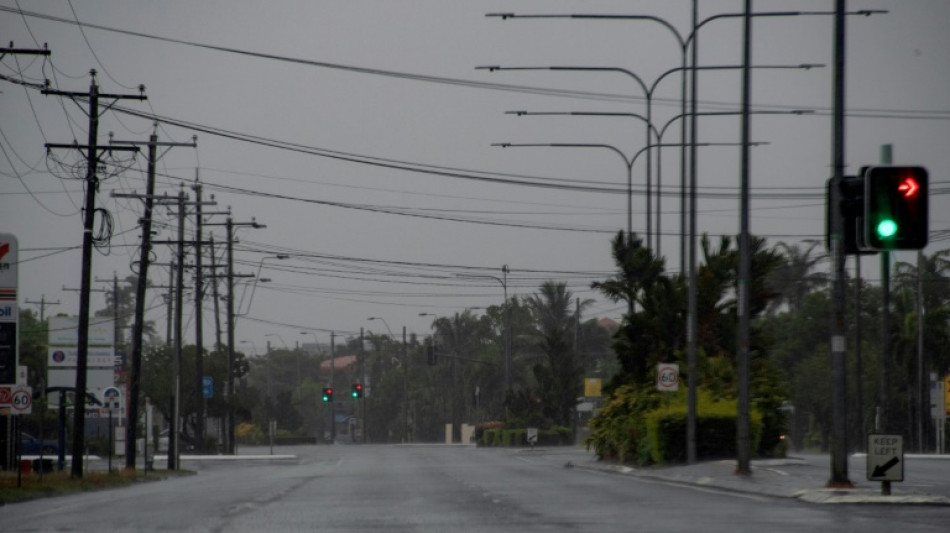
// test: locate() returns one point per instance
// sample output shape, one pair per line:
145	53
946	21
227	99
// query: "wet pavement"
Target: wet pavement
802	478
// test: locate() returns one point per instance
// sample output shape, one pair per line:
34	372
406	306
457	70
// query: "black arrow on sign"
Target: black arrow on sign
881	470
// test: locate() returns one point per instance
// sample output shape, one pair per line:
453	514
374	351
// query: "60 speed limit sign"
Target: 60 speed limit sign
668	377
22	401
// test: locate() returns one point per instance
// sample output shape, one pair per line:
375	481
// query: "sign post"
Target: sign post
885	460
532	436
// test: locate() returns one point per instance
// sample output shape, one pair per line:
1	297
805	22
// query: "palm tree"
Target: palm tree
555	324
458	337
654	325
795	277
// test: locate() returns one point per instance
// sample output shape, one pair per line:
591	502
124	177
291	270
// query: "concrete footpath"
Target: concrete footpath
800	478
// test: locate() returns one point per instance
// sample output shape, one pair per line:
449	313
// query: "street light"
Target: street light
628	162
503	280
839	462
281	339
658	133
257	277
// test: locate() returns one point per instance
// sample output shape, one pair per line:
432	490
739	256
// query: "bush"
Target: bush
498	437
715	431
482	427
618	431
249	434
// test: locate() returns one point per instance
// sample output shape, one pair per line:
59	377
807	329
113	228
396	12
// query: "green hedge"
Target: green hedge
715	432
498	437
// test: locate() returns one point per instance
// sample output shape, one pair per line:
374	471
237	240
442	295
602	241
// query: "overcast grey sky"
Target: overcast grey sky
386	89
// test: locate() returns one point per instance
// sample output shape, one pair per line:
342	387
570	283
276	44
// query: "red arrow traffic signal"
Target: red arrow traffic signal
908	187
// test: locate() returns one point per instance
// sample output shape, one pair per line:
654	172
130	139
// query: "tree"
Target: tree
559	381
654	325
795	277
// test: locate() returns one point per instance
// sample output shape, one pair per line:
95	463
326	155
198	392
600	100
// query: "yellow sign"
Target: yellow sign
592	387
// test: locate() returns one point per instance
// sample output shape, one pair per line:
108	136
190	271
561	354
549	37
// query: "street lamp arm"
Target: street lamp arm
383	320
638	79
673	30
561	145
638	116
681	116
864	12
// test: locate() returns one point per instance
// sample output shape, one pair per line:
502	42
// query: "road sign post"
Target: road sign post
532	436
885	460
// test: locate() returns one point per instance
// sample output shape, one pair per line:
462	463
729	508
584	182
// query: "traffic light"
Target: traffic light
357	391
327	394
895	208
844	199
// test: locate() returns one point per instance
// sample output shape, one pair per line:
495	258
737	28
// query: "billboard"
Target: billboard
9	314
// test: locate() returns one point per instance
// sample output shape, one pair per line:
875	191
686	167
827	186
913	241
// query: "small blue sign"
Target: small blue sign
207	387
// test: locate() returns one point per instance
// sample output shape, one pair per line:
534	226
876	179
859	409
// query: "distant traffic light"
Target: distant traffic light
327	394
357	391
896	208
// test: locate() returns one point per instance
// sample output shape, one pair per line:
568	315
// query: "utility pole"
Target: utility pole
115	307
141	285
42	303
174	444
199	312
199	332
92	185
363	381
230	225
214	294
173	434
839	444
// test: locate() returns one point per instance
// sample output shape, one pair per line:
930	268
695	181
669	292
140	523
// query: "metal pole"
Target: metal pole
363	381
839	445
923	375
504	287
332	410
229	438
883	422
862	422
692	303
743	441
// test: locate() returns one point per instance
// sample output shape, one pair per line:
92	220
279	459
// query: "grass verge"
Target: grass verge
60	483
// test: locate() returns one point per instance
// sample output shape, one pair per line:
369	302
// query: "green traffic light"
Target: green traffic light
886	228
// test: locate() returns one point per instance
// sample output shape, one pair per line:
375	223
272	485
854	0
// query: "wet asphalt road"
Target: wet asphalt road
437	489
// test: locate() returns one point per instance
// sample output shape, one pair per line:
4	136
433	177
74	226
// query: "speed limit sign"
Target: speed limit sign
22	400
667	377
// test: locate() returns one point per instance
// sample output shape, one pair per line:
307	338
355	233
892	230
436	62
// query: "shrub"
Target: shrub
482	427
497	437
618	431
715	431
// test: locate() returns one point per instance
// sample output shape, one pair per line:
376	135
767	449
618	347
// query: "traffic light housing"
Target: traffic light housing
896	208
327	394
357	391
844	199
